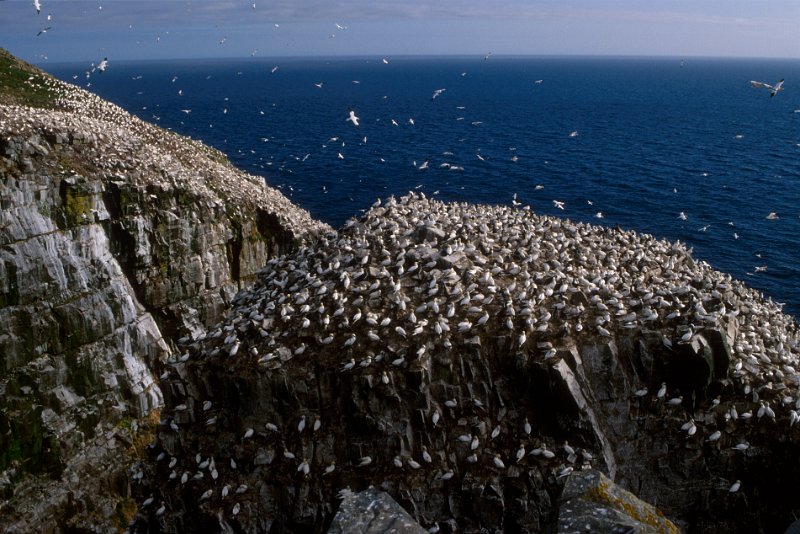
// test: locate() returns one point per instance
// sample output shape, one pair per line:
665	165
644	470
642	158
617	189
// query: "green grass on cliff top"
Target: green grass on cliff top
23	84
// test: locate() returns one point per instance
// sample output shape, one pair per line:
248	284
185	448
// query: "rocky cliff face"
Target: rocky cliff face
116	239
468	360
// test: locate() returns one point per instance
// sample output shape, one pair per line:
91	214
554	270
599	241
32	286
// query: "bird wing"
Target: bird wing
760	85
779	85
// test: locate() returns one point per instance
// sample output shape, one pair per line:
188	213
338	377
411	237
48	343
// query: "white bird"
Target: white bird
437	92
498	462
352	118
103	65
38	5
735	486
426	455
559	204
773	89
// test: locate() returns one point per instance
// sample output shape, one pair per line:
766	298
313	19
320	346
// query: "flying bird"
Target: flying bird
437	92
43	30
773	90
38	5
352	118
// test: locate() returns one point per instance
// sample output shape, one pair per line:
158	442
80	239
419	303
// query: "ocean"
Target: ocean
682	149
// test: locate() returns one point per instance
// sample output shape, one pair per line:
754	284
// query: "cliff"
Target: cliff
468	360
184	350
117	238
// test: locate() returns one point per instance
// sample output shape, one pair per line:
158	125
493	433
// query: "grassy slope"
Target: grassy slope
23	84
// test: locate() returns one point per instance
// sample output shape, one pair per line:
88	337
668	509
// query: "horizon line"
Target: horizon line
400	57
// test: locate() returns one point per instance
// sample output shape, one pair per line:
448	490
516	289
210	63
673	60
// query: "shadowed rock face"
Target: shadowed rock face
467	359
116	238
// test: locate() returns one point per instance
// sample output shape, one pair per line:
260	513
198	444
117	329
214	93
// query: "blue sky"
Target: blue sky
146	29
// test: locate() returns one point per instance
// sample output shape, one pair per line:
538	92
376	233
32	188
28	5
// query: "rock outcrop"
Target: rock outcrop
116	239
590	502
372	512
468	360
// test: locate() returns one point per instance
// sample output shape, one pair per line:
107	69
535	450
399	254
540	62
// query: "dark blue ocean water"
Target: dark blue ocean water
655	137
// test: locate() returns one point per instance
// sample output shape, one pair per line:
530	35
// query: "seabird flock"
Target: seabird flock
417	282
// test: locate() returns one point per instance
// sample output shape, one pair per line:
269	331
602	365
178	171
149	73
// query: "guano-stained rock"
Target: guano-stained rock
117	238
472	390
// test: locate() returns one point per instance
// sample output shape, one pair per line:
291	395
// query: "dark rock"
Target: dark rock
593	503
372	512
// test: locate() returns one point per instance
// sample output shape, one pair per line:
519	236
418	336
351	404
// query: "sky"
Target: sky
165	29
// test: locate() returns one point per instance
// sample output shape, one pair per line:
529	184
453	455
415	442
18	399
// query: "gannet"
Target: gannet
103	65
352	118
437	92
773	90
38	6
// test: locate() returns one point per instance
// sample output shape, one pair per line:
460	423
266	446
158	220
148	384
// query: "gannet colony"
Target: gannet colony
467	359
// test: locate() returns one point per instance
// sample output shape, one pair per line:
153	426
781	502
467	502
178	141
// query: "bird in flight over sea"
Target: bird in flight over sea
43	30
38	5
773	90
102	66
437	92
352	118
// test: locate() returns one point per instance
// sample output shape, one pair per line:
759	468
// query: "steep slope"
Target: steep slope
467	359
116	238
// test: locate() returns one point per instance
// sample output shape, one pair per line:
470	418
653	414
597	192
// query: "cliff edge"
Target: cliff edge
117	238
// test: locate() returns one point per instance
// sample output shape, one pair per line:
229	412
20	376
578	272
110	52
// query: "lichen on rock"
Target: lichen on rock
115	241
